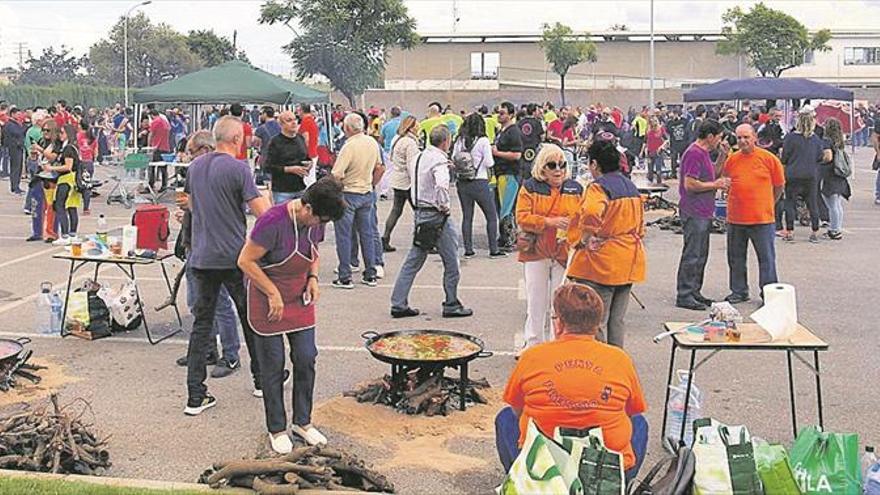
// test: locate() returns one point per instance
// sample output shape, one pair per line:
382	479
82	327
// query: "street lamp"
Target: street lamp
125	45
651	100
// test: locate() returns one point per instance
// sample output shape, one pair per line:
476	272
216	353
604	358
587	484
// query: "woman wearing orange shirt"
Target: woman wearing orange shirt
575	382
544	205
607	236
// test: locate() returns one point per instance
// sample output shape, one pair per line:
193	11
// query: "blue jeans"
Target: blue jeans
477	192
507	440
303	352
447	246
88	166
225	319
694	256
877	187
378	250
655	167
835	211
280	197
357	218
763	238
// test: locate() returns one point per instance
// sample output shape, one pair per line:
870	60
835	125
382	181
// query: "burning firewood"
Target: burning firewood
52	438
420	391
305	467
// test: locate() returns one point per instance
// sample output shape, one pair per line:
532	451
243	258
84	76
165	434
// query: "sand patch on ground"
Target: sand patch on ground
414	441
53	378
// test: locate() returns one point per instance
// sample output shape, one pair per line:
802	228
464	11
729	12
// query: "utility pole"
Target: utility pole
234	40
455	16
21	51
651	100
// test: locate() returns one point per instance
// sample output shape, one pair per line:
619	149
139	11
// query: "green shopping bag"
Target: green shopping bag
826	462
775	470
725	460
543	467
600	469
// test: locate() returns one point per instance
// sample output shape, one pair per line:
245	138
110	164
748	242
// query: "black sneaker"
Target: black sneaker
498	254
404	313
212	360
198	406
258	390
703	300
370	281
469	254
457	311
225	367
691	305
736	298
343	284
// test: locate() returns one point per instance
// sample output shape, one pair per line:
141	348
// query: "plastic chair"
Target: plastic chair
132	165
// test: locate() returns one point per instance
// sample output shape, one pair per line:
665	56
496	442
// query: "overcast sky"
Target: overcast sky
78	24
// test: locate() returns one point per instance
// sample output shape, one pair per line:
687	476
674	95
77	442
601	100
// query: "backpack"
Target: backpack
842	164
463	163
676	480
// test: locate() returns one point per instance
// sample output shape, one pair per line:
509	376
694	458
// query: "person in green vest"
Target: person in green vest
549	113
452	121
640	130
491	122
433	118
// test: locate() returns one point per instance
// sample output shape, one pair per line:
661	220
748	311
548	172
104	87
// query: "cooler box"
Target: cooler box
152	226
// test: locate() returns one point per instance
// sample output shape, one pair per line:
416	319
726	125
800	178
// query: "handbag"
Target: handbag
725	460
427	231
527	242
876	164
826	462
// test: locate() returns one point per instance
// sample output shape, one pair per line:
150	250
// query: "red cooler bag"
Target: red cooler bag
152	224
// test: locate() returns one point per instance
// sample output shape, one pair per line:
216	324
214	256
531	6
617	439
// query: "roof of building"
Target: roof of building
600	36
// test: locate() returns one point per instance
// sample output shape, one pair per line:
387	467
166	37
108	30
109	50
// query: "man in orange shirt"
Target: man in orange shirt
756	183
575	382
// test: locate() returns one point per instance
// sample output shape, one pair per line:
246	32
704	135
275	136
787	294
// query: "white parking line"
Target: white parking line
28	256
182	342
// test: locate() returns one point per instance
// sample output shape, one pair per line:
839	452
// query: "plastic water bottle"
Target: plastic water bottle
872	480
870	466
57	306
101	233
44	309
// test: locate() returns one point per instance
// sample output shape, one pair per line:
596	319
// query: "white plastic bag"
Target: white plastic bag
122	304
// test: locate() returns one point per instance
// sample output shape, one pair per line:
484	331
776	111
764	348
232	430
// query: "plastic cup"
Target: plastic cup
76	248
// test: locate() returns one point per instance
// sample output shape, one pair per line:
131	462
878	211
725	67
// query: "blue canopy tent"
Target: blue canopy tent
771	88
767	88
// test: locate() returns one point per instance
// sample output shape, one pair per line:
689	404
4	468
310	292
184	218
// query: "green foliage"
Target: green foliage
52	67
86	95
346	41
36	486
156	53
563	50
213	49
773	41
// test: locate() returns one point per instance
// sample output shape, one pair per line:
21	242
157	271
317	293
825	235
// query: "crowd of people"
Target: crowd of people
553	184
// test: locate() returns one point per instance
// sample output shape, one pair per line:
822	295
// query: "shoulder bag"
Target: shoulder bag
527	242
427	231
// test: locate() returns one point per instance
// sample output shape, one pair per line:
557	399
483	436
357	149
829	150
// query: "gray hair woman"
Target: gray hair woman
802	152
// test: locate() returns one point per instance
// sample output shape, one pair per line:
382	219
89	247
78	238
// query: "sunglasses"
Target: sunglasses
555	166
45	130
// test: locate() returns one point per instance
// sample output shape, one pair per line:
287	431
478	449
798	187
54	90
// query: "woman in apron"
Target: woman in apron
280	262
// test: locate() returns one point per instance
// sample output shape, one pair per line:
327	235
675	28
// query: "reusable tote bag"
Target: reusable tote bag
725	460
600	469
542	468
775	469
826	462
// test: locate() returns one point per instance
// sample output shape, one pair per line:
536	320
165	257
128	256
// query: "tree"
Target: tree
156	53
213	49
52	67
346	41
773	41
563	50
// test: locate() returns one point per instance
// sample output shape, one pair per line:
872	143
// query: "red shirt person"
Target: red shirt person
308	128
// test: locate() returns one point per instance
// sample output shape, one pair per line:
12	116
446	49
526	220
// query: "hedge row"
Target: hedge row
75	94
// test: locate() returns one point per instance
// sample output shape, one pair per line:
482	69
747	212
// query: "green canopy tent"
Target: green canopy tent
232	82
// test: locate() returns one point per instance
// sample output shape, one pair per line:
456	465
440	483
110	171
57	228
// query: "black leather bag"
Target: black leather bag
428	230
676	480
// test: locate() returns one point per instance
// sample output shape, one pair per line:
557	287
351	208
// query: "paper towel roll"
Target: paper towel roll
129	239
778	316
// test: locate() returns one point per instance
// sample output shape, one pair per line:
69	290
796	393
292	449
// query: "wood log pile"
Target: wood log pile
420	391
52	438
13	369
303	468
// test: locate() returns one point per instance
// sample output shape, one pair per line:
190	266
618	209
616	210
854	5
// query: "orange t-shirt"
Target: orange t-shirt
752	179
578	382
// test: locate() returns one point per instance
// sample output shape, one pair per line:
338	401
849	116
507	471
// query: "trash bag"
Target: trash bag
675	410
774	469
826	462
725	460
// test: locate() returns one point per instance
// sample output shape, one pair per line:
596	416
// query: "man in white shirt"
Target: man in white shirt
430	194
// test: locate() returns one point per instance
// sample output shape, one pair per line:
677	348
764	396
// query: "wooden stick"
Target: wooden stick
265	488
240	468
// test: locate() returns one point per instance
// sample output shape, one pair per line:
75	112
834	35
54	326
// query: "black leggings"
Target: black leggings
807	189
66	217
401	199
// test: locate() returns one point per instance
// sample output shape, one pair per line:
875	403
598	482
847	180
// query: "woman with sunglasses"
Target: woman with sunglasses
42	186
280	262
606	233
545	203
67	197
404	149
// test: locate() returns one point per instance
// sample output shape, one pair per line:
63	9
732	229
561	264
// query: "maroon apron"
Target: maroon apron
291	278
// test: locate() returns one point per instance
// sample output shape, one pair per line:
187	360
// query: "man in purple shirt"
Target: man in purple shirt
697	207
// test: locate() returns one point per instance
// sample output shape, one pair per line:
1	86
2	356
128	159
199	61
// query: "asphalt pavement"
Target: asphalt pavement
137	393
